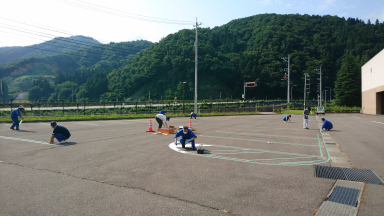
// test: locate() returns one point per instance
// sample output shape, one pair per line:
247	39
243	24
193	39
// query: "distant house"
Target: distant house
372	85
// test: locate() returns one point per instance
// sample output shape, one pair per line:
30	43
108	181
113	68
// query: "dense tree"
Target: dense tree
348	83
247	49
34	93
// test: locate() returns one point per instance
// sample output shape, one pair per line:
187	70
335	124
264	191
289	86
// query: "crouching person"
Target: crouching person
186	136
59	132
327	125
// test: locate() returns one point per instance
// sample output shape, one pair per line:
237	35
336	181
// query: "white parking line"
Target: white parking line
378	122
85	123
355	117
25	140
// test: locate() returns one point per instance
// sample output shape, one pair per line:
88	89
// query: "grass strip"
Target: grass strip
116	116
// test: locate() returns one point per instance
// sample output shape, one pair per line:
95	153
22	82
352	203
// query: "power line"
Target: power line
54	29
65	40
132	13
148	19
51	34
55	51
79	48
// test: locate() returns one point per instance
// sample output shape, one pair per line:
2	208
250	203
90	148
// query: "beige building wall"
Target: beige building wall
372	85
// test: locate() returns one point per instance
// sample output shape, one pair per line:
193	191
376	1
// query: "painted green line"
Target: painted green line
321	152
262	150
240	153
258	140
266	135
282	158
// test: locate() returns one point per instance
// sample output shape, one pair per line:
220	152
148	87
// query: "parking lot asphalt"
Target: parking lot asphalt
254	165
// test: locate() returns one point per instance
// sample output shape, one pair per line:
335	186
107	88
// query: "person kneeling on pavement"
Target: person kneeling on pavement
286	118
186	136
327	125
193	115
59	132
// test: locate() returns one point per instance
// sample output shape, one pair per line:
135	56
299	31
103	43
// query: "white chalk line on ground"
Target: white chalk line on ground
85	123
378	122
25	140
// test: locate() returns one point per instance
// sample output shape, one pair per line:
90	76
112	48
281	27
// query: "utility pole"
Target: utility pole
321	98
306	88
149	96
287	60
291	91
325	97
244	90
220	96
3	91
72	94
330	93
196	55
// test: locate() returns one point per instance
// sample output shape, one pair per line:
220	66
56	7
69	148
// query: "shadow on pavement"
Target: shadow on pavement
26	131
68	144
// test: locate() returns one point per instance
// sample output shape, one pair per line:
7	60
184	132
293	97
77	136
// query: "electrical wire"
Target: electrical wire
78	48
58	38
156	20
132	13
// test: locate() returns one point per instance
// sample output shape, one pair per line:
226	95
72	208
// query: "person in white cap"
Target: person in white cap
193	115
15	117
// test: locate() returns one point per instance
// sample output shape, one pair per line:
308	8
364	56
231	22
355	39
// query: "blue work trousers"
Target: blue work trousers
60	137
182	141
15	123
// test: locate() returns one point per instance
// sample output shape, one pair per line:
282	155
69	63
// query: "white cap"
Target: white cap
21	106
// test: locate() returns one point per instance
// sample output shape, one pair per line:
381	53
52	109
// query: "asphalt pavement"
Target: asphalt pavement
254	165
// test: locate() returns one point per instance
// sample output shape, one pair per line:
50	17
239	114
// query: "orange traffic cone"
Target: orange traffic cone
150	126
190	125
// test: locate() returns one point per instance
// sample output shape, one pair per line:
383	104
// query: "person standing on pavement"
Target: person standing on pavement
186	136
161	119
15	117
305	116
286	118
59	132
327	125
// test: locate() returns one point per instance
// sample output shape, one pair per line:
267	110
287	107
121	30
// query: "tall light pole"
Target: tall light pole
330	93
306	89
72	94
287	60
196	55
220	96
149	96
183	95
291	91
321	98
325	97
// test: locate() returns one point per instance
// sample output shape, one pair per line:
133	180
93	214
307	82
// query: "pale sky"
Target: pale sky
27	22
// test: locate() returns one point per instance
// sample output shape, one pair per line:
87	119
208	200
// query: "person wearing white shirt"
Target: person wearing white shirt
161	119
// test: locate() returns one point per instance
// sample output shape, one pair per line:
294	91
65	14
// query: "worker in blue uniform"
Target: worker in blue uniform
186	136
286	118
61	133
193	115
15	117
327	125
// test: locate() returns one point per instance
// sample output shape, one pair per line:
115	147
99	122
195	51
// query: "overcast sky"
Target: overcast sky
27	22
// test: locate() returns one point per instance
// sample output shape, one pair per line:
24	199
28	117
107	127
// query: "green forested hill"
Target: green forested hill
249	49
51	47
77	66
